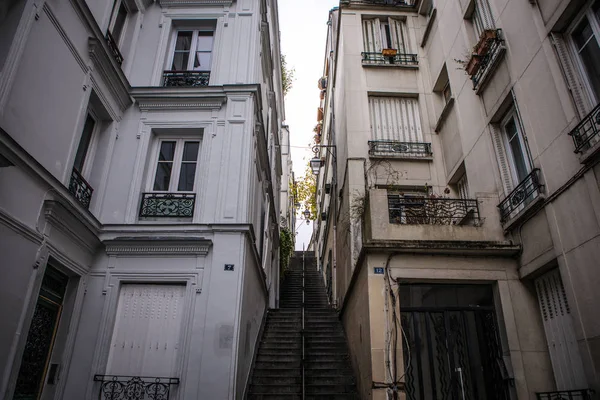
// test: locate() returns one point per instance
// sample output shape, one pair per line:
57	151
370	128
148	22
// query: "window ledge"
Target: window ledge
367	64
444	114
589	156
529	209
161	98
428	27
401	157
191	3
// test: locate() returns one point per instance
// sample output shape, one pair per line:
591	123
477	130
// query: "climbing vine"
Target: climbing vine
286	246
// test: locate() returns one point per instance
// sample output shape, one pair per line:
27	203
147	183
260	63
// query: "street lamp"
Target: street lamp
316	164
306	214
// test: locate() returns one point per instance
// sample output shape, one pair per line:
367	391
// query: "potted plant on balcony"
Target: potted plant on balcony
389	52
485	41
472	66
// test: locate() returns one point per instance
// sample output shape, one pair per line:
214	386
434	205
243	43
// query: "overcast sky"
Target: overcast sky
303	25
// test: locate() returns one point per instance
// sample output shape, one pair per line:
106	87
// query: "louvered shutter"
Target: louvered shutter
482	17
571	76
372	35
501	156
560	335
395	118
399	33
146	332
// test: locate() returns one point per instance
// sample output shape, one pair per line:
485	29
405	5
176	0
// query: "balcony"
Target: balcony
392	148
80	189
398	59
169	205
485	58
432	211
582	394
185	78
397	3
114	48
529	189
587	133
134	387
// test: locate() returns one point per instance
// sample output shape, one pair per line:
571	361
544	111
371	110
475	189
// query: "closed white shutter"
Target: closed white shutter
399	34
501	156
146	334
372	35
571	76
395	119
482	17
463	187
560	335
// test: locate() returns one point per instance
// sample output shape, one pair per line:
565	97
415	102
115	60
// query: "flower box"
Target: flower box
485	40
389	52
473	65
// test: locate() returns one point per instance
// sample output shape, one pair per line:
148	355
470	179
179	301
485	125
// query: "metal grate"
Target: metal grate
587	132
80	189
398	3
417	210
186	78
579	394
525	192
494	49
168	205
134	387
396	148
401	59
114	48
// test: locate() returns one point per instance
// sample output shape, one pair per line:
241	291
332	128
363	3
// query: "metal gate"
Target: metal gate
453	354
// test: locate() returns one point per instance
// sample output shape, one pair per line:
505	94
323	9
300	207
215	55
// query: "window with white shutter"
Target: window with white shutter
463	187
482	17
395	119
389	34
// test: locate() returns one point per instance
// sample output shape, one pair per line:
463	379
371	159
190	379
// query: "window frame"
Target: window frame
594	22
177	162
512	114
195	30
88	160
478	18
113	19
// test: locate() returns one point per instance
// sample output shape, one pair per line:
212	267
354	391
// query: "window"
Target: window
118	21
585	40
516	149
176	166
388	33
395	118
83	163
463	187
447	92
192	50
84	143
482	17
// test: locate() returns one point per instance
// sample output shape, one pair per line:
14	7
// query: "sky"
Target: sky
303	26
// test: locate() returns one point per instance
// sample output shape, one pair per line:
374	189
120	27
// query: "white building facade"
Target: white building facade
140	191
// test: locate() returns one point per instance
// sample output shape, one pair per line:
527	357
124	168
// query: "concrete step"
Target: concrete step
326	365
278	380
278	364
271	396
329	388
277	373
280	358
329	396
276	389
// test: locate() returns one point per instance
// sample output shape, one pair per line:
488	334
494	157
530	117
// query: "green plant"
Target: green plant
287	76
286	246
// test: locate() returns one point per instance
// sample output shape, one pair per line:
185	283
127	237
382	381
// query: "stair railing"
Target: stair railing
302	330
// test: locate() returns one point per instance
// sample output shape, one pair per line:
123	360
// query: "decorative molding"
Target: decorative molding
194	3
60	217
65	38
109	70
19	227
163	98
143	246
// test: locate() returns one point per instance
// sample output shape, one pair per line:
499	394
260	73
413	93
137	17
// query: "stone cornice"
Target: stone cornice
61	216
110	71
156	245
194	3
447	247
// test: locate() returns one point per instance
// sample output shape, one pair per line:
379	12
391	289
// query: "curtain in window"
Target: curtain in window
395	118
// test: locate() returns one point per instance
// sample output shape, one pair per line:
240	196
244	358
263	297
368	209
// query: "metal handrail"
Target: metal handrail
587	130
302	329
527	190
376	58
579	394
398	148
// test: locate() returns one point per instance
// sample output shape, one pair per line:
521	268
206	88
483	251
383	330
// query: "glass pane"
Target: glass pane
119	23
582	34
186	177
202	62
590	55
84	143
205	41
180	61
167	151
190	151
184	41
517	150
163	176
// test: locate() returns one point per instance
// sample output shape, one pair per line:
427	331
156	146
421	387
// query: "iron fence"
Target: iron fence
398	3
168	205
396	148
374	58
416	210
580	394
186	78
114	48
80	189
495	47
524	193
115	387
587	132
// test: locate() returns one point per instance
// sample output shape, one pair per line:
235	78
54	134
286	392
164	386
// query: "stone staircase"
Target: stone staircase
278	368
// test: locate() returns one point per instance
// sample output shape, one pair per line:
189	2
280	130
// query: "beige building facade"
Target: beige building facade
458	196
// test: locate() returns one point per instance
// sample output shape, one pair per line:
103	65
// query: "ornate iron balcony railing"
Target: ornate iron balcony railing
587	132
581	394
168	205
392	148
525	192
134	387
487	61
416	210
400	59
397	3
80	189
186	78
114	47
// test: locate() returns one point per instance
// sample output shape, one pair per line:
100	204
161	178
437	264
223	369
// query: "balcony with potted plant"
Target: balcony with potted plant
484	58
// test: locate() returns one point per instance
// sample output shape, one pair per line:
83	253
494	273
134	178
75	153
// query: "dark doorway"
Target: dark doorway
40	338
453	350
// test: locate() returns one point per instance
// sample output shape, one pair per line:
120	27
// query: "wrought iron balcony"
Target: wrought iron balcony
397	3
581	394
134	387
114	48
523	194
80	189
587	132
416	210
186	78
392	148
487	59
400	59
177	205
